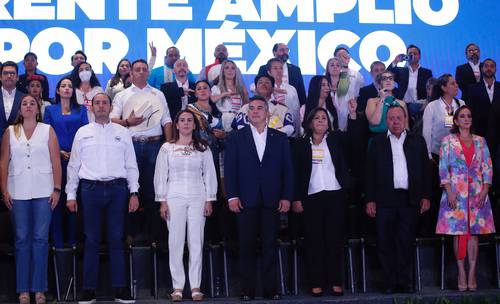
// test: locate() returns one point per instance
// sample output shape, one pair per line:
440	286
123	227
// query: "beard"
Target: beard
284	58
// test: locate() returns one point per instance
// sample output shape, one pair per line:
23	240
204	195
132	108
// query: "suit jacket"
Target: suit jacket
173	94
493	139
22	82
402	76
340	145
249	179
380	172
479	102
7	121
465	77
294	79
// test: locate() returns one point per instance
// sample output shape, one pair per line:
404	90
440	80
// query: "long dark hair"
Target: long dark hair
442	81
454	129
308	131
116	78
215	111
312	100
75	78
199	143
72	101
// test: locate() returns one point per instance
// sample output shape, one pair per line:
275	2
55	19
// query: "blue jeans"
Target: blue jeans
63	220
31	220
145	153
111	202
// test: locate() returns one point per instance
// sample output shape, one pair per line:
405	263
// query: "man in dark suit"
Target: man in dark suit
470	72
371	90
482	95
180	92
10	97
30	63
411	79
395	197
291	73
259	184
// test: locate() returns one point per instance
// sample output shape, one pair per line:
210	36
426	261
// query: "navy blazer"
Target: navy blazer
5	122
465	77
402	76
479	102
294	79
380	170
251	180
173	94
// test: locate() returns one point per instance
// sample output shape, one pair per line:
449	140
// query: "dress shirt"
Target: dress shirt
102	153
490	90
476	69
356	82
285	77
323	171
184	98
8	101
399	165
122	98
434	128
259	140
181	171
411	91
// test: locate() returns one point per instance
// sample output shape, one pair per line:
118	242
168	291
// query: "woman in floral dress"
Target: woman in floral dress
466	174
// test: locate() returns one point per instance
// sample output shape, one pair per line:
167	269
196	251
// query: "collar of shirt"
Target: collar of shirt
401	138
135	88
474	66
487	86
6	93
254	131
102	126
322	140
412	71
181	85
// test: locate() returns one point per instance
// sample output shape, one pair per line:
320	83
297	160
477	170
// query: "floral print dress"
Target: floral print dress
467	182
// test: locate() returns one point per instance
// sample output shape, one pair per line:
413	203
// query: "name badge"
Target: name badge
448	121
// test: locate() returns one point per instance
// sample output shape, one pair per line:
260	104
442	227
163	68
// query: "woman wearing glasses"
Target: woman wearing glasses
466	174
376	108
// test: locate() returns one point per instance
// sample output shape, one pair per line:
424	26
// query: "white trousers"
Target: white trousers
184	211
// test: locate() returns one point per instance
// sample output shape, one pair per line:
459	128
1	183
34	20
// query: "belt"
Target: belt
115	181
144	139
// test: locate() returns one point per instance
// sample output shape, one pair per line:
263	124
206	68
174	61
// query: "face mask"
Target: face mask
85	75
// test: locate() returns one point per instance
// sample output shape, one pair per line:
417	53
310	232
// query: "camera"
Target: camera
407	57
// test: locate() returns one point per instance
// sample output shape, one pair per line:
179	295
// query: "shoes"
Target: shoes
176	296
272	296
87	297
317	292
337	292
40	298
122	295
24	298
196	295
246	297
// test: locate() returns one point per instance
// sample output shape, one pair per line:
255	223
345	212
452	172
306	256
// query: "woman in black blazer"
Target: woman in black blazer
321	179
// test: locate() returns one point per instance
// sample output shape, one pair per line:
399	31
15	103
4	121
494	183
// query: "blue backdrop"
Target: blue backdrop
110	30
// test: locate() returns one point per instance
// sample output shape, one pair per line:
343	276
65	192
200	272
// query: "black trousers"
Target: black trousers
251	222
396	228
324	216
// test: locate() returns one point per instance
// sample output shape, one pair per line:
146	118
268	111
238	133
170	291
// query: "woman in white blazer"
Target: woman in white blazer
30	175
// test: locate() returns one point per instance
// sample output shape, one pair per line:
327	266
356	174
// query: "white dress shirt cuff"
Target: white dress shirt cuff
232	199
71	196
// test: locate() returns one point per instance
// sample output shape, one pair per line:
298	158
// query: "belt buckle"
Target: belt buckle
141	139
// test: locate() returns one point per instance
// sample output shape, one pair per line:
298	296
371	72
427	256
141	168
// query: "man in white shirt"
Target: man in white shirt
103	161
10	98
148	134
284	93
398	188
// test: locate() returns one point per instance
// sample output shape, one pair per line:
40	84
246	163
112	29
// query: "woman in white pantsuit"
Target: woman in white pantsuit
185	185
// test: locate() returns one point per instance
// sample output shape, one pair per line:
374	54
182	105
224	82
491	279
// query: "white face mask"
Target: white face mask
85	75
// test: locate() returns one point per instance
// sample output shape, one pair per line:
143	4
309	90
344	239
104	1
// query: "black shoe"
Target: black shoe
122	295
246	297
87	297
272	296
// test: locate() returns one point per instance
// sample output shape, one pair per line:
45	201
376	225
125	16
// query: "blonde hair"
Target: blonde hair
238	81
18	123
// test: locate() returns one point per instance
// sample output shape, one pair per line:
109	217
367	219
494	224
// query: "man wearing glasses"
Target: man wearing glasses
291	73
10	97
470	72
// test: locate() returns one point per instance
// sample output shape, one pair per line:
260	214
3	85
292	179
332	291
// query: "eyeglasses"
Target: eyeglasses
385	78
9	73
